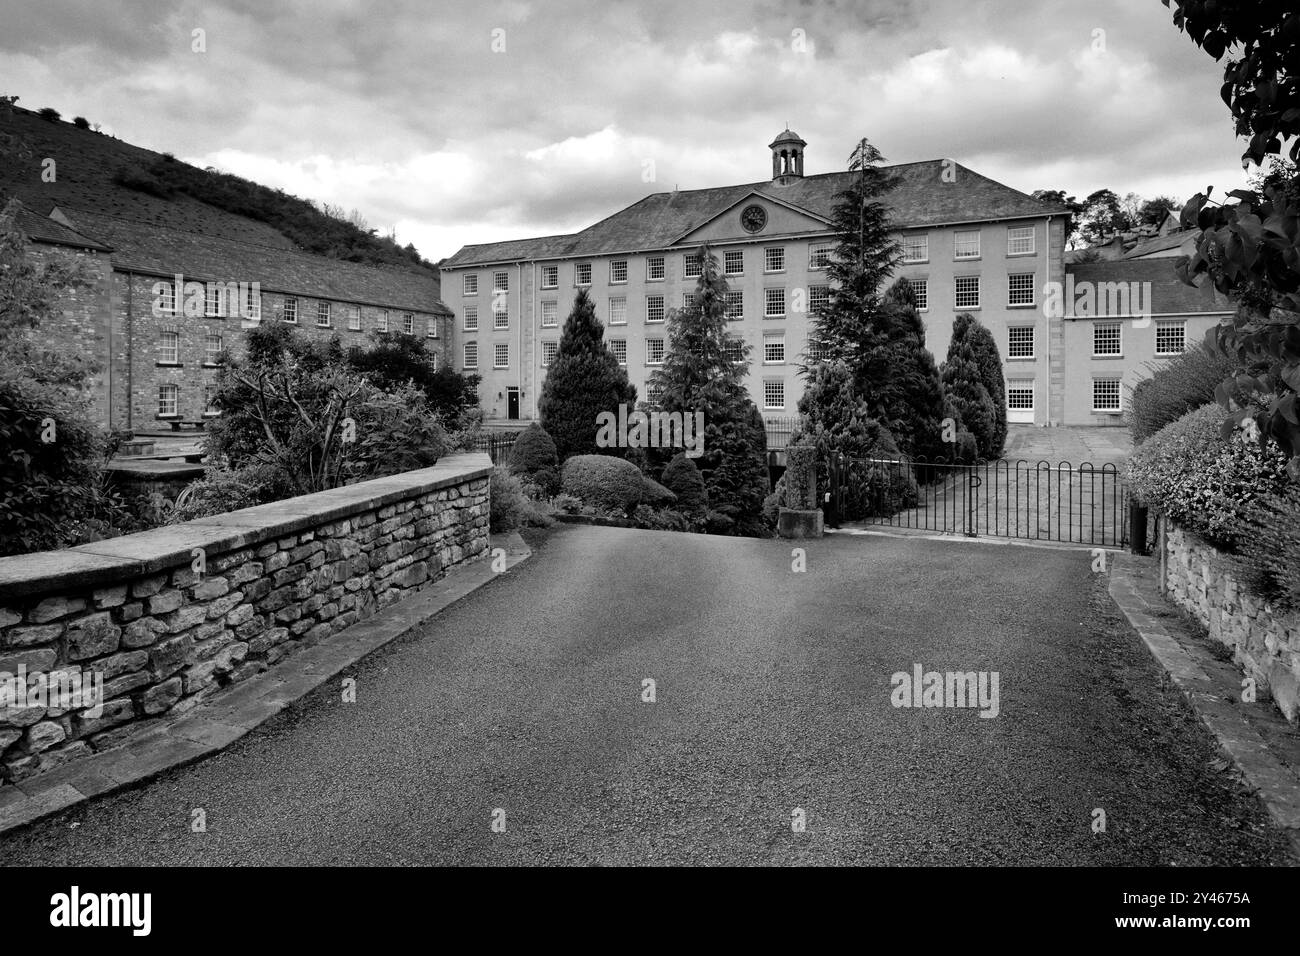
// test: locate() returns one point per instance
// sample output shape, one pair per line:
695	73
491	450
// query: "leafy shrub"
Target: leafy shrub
568	504
655	494
50	114
223	490
509	508
605	482
1180	385
660	519
394	359
533	455
774	502
1269	561
81	122
1187	471
684	480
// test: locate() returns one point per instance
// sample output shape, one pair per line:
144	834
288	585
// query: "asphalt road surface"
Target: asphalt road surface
524	704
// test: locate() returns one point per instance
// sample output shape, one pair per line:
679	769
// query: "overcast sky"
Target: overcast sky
481	121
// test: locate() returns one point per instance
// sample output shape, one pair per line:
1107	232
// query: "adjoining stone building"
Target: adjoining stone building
158	358
969	244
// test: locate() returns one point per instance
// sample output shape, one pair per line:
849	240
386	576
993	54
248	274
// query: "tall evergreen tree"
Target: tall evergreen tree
965	387
584	379
704	371
971	331
900	380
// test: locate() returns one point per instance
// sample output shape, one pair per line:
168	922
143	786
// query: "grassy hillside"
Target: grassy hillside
100	173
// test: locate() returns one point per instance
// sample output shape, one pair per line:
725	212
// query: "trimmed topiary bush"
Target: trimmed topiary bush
655	494
605	482
683	479
533	456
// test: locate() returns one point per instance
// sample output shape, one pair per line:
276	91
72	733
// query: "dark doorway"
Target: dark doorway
512	403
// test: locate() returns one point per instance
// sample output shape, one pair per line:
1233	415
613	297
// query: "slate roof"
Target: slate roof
44	229
921	199
158	250
1163	243
1169	295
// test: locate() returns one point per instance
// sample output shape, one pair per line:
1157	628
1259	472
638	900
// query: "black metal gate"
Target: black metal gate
1042	501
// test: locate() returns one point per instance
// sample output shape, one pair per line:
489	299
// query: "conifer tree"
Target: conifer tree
584	379
970	330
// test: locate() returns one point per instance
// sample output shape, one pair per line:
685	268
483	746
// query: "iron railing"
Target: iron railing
496	444
1043	501
779	431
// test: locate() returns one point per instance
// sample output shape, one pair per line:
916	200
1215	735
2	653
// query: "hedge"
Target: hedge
604	482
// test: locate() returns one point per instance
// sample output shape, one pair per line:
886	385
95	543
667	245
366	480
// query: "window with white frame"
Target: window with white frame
471	319
354	318
654	268
582	273
1020	241
500	354
1020	341
323	315
471	355
210	400
735	300
1020	289
773	393
1105	395
291	309
814	351
773	303
381	319
819	296
966	244
654	308
1171	336
921	291
1020	395
773	348
169	400
549	350
165	296
212	300
688	299
433	360
654	351
619	348
212	345
501	282
500	315
408	323
966	292
432	330
469	284
916	248
618	311
617	271
692	266
734	262
1106	339
774	259
169	348
550	314
550	277
654	393
733	347
253	305
819	255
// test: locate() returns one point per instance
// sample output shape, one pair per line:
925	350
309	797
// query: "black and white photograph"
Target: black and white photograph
838	434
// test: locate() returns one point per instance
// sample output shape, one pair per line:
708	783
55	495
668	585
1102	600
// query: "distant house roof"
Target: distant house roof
159	250
1163	243
43	229
924	196
1169	294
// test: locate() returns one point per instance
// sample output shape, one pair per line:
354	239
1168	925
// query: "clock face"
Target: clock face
753	219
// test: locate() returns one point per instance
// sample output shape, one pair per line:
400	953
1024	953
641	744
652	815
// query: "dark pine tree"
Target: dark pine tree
965	387
985	348
704	371
584	379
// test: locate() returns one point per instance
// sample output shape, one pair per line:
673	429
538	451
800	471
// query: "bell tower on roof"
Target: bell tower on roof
787	158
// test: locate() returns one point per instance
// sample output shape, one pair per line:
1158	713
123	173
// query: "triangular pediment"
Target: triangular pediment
754	216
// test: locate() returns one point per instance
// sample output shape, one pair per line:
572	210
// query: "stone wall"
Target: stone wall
1265	642
162	636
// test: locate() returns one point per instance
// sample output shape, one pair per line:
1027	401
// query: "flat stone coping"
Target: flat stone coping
156	466
236	710
102	563
1134	586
